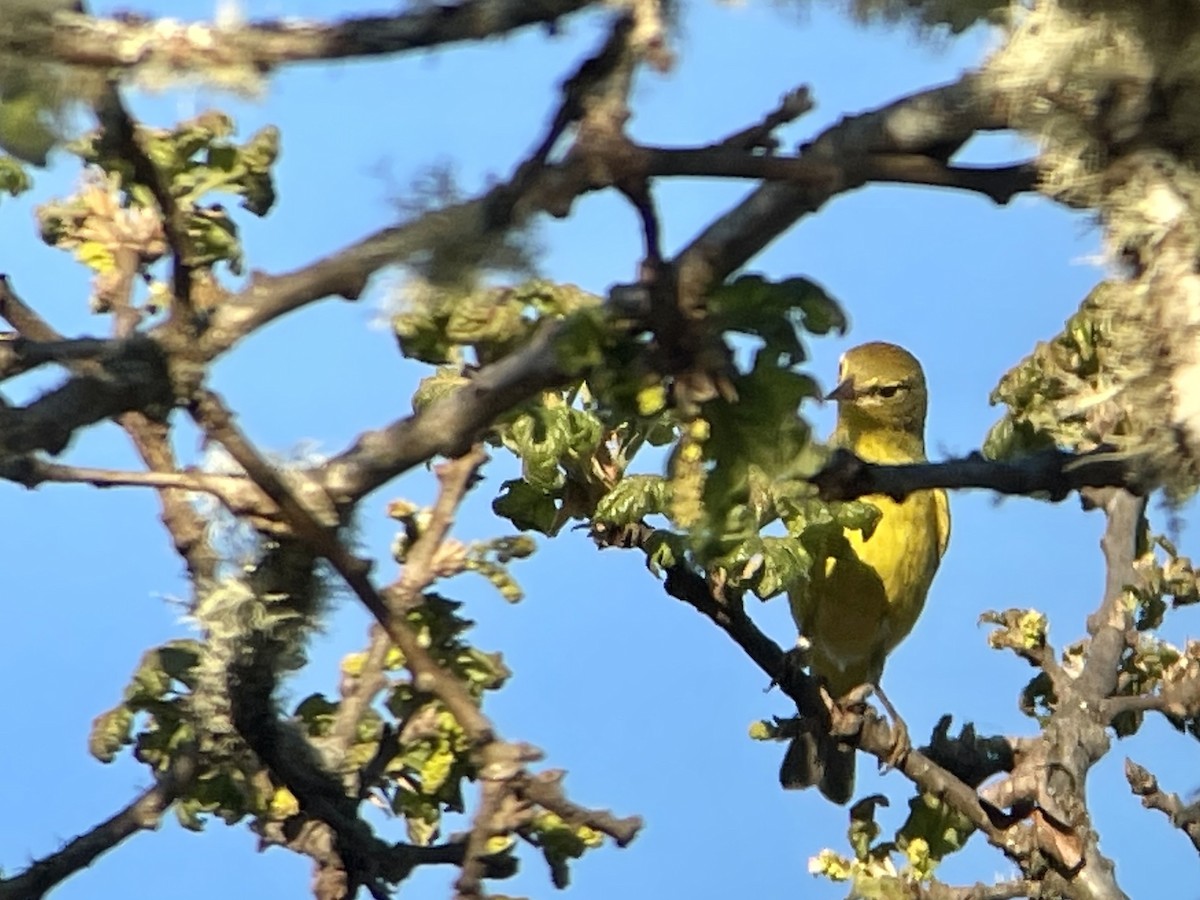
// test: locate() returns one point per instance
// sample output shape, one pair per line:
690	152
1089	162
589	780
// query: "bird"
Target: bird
864	599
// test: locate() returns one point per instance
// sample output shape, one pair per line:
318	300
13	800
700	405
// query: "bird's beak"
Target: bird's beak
844	391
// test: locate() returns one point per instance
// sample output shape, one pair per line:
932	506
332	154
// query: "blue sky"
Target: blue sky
643	702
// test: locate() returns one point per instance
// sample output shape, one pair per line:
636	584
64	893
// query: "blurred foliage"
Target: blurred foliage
36	97
412	744
1064	393
955	15
14	180
1106	89
1091	388
733	464
448	261
561	842
115	211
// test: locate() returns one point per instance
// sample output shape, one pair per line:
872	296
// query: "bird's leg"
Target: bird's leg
901	743
811	695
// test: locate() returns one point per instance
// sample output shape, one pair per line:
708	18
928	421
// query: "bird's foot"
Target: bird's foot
901	744
846	712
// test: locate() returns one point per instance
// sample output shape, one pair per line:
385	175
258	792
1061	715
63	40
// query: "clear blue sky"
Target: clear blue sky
645	703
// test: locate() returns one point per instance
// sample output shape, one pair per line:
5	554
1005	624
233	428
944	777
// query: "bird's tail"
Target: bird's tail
818	758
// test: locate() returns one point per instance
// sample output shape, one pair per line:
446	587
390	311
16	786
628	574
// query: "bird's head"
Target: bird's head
880	386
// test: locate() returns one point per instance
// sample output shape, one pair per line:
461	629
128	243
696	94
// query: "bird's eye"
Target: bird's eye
889	390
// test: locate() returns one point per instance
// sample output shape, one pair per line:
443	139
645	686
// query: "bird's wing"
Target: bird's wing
942	504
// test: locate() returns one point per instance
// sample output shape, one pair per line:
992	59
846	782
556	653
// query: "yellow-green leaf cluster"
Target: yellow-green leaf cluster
561	842
1065	393
116	211
931	832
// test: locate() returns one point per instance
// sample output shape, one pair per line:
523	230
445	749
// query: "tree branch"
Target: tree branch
1110	626
533	187
1184	817
932	123
875	736
1054	473
448	426
217	422
131	42
143	814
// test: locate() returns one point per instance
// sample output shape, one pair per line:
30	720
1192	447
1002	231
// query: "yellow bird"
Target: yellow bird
867	597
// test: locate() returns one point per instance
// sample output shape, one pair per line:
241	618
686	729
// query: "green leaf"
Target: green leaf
859	515
527	507
664	549
545	437
767	565
776	312
111	731
632	499
485	318
936	829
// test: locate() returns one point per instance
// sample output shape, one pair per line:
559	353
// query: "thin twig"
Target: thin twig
1183	816
217	422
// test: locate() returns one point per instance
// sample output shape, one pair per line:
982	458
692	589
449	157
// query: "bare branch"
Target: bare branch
534	187
359	692
143	814
1183	816
19	355
1052	473
132	42
150	436
545	789
998	183
448	426
1178	699
37	472
931	123
792	106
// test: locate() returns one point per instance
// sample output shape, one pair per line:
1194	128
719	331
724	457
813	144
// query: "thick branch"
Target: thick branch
1004	890
1075	737
448	426
1111	624
49	422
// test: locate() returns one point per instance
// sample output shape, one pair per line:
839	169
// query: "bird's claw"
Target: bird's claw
901	744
